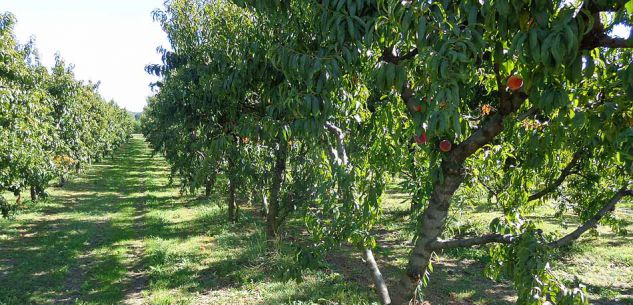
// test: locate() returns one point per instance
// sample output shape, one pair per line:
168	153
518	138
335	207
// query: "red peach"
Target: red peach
446	146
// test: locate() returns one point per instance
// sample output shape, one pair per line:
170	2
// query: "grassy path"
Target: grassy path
119	235
84	241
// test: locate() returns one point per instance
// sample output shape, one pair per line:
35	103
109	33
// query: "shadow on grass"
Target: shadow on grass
73	247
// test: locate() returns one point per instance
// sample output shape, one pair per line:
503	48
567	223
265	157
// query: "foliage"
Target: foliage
319	103
50	123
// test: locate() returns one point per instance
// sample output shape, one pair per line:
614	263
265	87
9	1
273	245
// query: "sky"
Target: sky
107	40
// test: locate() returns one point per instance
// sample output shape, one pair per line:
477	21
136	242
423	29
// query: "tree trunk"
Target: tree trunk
432	222
379	281
231	201
264	204
279	169
209	184
4	206
34	194
62	180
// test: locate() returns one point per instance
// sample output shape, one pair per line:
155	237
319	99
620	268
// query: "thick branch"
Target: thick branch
488	131
605	6
593	221
568	170
601	40
379	281
469	242
597	37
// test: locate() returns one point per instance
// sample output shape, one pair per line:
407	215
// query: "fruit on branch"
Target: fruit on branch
418	108
515	83
446	146
421	139
486	109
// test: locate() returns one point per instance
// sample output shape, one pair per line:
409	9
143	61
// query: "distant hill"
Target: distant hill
136	115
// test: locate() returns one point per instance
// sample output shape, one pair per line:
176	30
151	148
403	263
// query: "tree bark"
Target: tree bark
593	221
432	221
434	217
279	169
34	194
209	184
379	281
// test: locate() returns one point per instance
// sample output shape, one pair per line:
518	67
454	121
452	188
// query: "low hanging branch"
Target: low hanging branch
568	170
508	239
340	155
593	221
379	281
469	242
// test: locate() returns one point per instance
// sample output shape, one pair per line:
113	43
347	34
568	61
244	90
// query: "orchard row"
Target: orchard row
309	108
51	124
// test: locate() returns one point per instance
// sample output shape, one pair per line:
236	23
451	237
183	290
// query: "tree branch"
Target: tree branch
597	36
605	6
531	112
388	56
567	171
469	242
379	281
593	221
341	154
488	131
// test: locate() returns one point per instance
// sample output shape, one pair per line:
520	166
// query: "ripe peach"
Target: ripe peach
446	146
421	139
515	83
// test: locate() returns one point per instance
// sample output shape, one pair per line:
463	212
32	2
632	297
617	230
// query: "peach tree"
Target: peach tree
50	123
528	102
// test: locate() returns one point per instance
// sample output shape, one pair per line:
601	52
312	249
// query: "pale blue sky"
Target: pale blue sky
107	40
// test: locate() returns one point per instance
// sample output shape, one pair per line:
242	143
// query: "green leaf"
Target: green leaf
421	33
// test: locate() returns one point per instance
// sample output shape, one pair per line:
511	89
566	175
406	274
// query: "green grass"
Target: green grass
602	261
119	234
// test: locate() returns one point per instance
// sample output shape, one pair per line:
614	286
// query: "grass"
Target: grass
119	234
601	260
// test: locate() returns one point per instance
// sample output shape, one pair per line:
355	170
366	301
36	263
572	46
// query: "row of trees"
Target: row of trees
308	108
50	123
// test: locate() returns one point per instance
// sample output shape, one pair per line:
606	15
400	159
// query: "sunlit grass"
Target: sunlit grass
119	233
